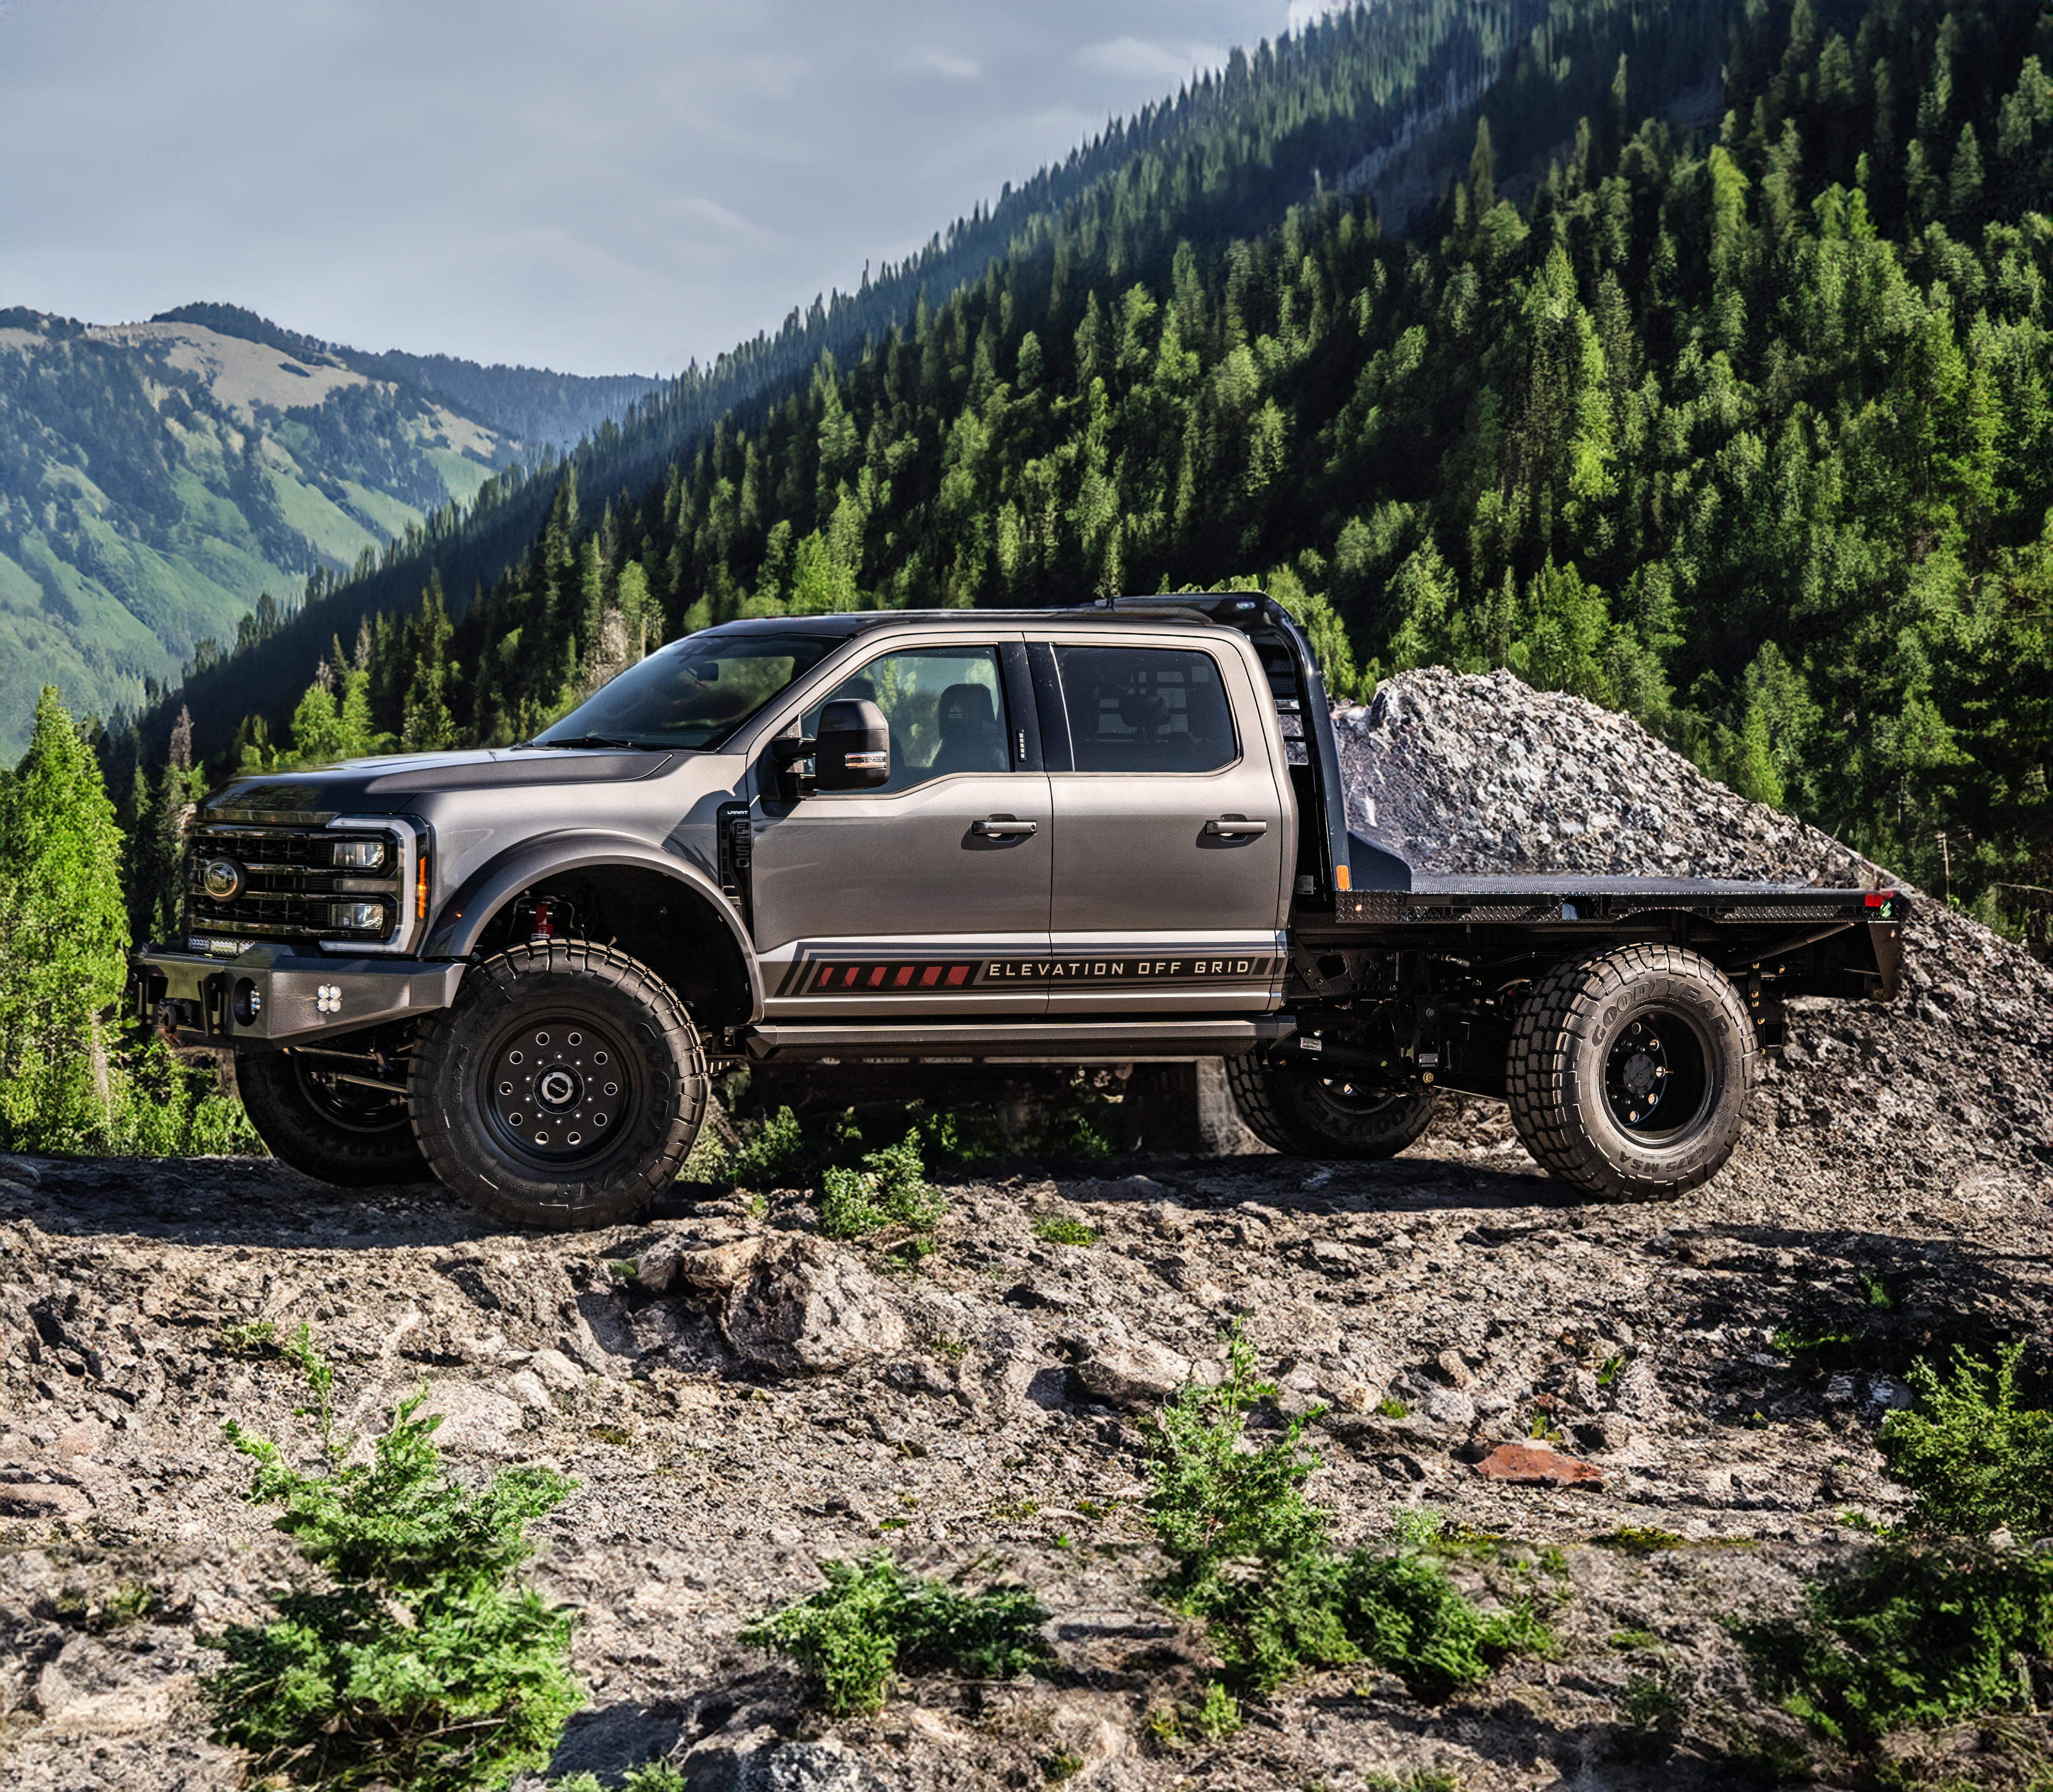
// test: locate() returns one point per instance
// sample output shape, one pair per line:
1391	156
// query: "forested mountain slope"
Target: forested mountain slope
1743	428
1371	99
157	480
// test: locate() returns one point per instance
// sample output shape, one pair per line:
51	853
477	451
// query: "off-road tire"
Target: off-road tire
1570	1074
581	1027
1302	1113
342	1134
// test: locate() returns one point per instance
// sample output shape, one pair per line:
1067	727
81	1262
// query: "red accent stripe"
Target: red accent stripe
904	975
930	976
957	974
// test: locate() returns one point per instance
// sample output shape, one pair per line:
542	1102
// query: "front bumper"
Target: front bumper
269	995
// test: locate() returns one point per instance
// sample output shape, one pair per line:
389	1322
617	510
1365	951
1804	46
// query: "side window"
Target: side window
1146	709
945	707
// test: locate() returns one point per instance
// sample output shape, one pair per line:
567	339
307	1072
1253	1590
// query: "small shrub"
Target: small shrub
1974	1458
774	1156
1065	1232
1210	1499
1406	1615
1650	1701
873	1621
1250	1557
419	1660
889	1188
1914	1633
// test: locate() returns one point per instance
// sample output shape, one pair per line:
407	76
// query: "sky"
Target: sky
607	187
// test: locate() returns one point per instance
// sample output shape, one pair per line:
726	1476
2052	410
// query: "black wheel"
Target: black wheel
1308	1114
1628	1071
319	1112
563	1089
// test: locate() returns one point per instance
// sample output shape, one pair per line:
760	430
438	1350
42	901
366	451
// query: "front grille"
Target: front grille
291	887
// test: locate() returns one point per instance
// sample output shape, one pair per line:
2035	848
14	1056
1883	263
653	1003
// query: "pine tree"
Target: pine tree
63	941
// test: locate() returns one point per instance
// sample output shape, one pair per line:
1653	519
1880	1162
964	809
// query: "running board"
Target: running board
1016	1042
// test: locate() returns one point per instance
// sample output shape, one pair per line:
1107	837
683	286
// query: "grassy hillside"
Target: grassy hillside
157	479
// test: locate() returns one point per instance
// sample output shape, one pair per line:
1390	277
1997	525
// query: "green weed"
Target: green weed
1061	1764
873	1621
1635	1540
419	1659
1215	1716
1633	1640
1390	1407
774	1156
1415	1779
1974	1458
249	1338
1065	1232
655	1776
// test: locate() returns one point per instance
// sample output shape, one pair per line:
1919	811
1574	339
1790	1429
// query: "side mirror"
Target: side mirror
853	750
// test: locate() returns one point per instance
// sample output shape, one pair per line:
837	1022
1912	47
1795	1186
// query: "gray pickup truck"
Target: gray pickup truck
1104	835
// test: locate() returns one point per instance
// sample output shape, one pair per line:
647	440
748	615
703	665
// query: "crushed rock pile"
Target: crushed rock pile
1618	1383
1479	773
1473	774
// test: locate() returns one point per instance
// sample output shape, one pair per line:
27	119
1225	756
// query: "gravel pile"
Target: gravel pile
1474	774
754	1398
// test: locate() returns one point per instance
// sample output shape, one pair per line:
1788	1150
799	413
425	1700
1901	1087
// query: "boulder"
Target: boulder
1137	1373
803	1308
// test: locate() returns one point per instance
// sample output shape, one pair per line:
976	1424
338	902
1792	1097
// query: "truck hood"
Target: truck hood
384	786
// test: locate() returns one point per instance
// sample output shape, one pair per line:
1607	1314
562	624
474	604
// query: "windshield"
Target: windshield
691	693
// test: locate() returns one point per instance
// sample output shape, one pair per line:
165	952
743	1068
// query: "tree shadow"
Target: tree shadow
1850	1312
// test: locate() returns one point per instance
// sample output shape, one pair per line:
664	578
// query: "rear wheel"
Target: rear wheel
563	1089
327	1115
1628	1071
1310	1115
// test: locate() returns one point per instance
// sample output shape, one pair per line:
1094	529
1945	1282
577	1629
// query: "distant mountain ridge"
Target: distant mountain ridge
159	480
534	406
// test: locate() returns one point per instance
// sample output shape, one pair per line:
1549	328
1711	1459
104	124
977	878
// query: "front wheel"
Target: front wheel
1305	1113
563	1089
1628	1071
335	1114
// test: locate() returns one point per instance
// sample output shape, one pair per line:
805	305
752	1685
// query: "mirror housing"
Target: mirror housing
853	749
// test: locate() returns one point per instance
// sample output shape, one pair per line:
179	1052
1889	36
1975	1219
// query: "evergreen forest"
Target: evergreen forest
1733	415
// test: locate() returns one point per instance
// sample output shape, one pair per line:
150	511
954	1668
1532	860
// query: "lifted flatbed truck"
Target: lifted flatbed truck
1110	834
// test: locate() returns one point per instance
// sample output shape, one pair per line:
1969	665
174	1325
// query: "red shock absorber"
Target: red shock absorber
545	923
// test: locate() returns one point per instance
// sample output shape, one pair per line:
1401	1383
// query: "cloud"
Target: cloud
1309	12
948	68
1144	58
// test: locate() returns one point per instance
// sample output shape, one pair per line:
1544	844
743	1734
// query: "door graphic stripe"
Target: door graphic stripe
1126	968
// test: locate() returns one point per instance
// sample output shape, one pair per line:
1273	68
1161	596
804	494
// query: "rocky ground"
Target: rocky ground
750	1397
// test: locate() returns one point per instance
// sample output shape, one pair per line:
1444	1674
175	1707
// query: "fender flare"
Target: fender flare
463	915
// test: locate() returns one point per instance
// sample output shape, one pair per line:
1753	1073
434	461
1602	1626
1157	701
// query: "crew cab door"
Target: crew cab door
1172	826
930	895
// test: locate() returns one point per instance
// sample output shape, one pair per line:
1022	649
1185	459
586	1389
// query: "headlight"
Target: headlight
357	917
358	855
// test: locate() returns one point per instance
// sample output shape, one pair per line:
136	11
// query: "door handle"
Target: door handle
1002	827
1232	825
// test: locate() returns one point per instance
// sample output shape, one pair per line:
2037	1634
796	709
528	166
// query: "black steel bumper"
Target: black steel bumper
271	996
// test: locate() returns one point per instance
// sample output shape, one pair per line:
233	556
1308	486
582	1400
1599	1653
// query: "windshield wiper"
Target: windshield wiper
592	740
